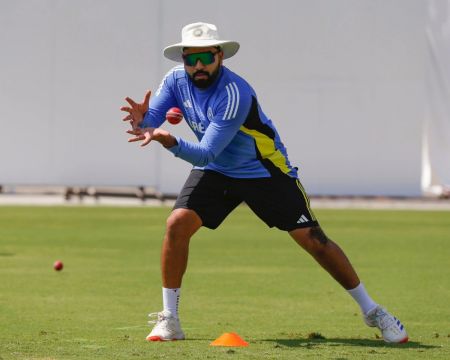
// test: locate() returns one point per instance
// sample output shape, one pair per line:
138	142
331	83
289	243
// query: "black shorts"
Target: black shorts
279	201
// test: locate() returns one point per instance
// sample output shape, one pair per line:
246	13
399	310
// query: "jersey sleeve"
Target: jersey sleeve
162	101
231	111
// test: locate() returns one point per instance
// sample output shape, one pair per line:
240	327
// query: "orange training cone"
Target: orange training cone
229	339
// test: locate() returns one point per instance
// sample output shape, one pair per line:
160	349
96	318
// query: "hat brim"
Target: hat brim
175	52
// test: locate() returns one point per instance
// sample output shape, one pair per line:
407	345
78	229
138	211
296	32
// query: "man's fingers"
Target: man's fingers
135	132
144	135
126	108
128	117
137	138
130	101
146	141
144	138
147	97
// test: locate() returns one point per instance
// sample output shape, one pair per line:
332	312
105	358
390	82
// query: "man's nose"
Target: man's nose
199	65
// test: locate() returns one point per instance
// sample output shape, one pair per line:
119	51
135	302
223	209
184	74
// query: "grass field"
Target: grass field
243	278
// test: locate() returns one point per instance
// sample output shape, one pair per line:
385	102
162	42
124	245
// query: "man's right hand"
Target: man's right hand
137	111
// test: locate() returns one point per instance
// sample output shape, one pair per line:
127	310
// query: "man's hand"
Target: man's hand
152	134
137	111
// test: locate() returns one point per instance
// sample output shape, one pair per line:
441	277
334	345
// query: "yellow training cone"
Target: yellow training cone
229	339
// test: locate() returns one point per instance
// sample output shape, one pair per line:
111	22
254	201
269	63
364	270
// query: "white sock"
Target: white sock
171	298
363	299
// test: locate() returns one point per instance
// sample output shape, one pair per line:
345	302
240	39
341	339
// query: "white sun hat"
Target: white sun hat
200	34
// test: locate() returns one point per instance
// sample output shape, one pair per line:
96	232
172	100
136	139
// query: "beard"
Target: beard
208	81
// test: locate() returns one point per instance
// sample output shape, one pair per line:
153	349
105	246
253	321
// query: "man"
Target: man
239	158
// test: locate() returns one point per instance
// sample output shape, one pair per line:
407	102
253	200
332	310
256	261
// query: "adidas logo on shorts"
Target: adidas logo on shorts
302	219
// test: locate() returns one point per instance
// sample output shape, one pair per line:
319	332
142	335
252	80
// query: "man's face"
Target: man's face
202	74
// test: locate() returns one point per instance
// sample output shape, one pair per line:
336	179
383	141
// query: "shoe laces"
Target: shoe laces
382	318
158	315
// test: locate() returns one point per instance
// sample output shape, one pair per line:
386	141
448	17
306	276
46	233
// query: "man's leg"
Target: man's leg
205	200
328	254
181	225
331	257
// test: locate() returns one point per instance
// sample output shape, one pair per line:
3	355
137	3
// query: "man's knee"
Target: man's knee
182	223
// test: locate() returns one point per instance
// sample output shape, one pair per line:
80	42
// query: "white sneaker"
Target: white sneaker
167	327
391	328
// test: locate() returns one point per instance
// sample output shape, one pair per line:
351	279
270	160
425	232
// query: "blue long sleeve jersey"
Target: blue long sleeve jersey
235	136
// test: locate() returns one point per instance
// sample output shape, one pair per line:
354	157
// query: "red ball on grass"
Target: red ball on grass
58	265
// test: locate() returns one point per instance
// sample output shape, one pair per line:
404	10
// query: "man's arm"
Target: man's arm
218	135
216	138
230	115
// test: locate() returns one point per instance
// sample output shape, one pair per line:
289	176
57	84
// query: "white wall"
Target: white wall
342	80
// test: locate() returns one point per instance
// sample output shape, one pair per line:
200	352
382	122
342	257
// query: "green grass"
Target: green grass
243	277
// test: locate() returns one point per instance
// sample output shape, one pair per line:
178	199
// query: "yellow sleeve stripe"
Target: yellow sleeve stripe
266	147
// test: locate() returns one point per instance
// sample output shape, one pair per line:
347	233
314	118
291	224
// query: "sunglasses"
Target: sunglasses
205	58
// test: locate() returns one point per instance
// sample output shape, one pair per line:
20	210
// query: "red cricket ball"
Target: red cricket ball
174	115
58	265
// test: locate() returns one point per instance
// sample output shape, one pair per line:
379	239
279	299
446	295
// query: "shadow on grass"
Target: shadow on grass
310	343
6	254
